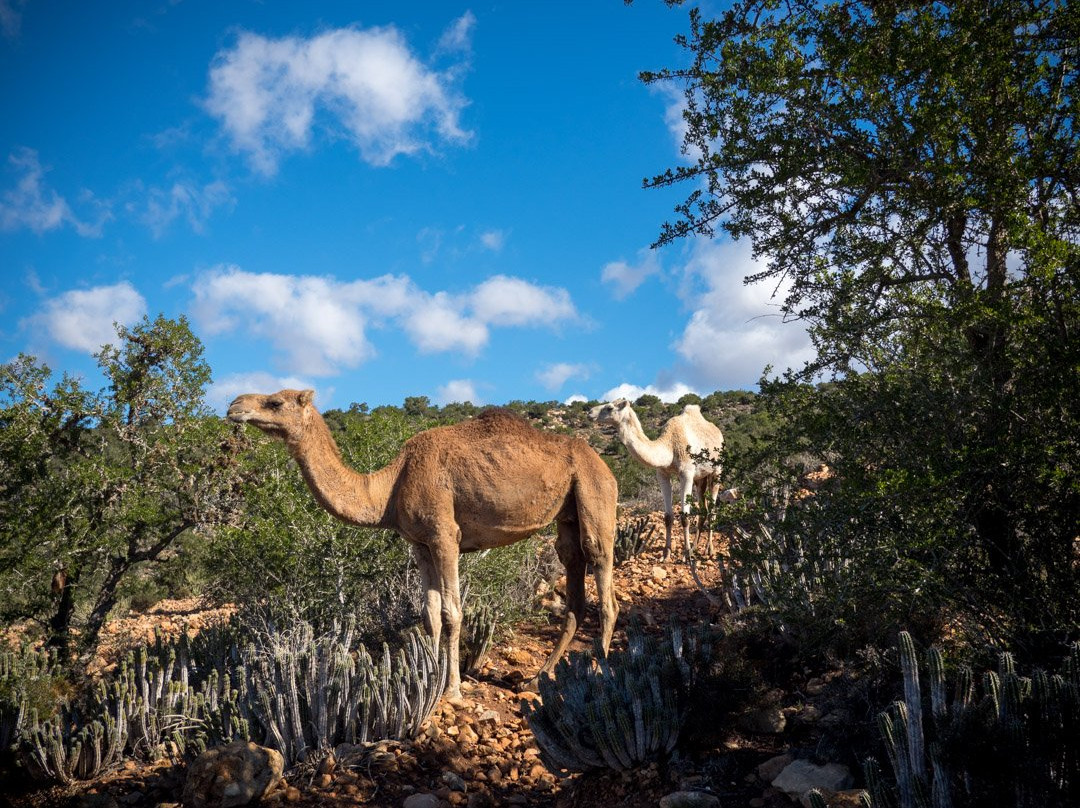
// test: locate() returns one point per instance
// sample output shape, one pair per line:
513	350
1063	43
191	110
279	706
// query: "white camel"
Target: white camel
672	455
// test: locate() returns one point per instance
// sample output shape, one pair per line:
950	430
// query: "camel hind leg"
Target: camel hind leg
597	501
568	547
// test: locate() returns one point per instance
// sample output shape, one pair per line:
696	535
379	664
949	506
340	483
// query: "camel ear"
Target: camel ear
306	397
622	404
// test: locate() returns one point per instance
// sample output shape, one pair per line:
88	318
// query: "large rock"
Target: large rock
689	799
234	775
800	776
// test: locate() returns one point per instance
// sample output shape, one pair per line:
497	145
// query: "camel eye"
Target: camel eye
273	405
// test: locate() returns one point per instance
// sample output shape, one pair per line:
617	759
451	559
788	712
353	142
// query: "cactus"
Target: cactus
477	633
631	539
27	679
311	693
619	711
68	748
1020	737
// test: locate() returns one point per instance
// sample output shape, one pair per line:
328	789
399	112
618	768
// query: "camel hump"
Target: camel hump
502	419
693	409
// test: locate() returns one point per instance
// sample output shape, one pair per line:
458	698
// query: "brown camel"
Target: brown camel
486	482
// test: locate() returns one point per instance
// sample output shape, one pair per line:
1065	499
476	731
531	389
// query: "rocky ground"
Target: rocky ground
479	751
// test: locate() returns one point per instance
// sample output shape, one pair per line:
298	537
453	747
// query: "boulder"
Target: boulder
690	799
800	776
237	774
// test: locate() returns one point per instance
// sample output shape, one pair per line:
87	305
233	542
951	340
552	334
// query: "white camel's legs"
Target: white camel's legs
685	491
669	512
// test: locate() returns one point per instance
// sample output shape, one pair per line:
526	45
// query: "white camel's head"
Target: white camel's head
284	414
613	413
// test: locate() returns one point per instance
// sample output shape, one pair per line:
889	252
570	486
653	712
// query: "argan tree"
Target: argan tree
97	486
910	174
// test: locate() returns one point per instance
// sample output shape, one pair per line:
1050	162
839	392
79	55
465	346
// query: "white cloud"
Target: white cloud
305	319
363	84
555	376
502	300
34	206
669	393
437	323
625	278
457	391
735	329
576	397
221	392
83	319
318	325
185	199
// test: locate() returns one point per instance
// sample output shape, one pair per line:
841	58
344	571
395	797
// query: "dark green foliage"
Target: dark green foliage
97	487
620	711
909	174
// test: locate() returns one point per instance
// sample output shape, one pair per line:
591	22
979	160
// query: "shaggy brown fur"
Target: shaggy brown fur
482	483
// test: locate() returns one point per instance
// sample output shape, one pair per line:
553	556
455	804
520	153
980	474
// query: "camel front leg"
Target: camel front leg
431	609
444	557
685	492
669	511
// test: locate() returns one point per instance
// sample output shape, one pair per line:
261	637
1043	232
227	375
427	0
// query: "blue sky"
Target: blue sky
372	199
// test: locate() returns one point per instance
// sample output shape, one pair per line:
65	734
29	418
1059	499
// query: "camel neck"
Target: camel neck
361	499
650	452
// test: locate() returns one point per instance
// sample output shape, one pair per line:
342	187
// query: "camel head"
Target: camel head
283	414
613	413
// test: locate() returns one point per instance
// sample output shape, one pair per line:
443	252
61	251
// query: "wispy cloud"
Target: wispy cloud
459	391
364	84
556	375
11	17
493	240
84	319
32	205
187	200
624	278
503	300
319	325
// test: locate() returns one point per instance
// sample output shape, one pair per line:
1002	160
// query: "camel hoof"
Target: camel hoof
531	686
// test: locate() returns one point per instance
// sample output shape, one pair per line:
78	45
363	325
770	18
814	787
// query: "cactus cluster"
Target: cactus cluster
477	633
632	538
1013	735
148	709
27	680
311	693
291	690
69	746
620	711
